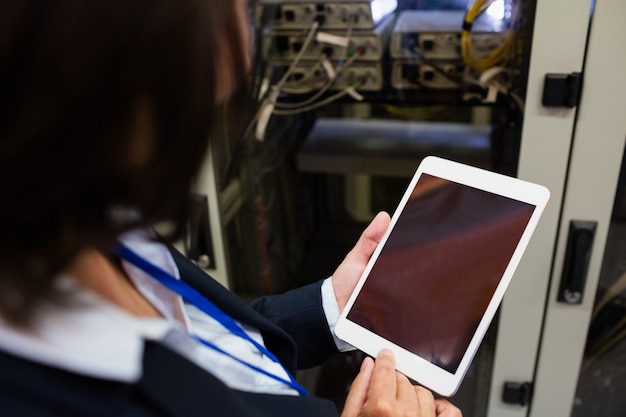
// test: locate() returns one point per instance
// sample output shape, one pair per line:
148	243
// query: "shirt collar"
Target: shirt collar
93	337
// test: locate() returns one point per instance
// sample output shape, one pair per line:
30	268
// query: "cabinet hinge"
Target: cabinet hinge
519	393
562	90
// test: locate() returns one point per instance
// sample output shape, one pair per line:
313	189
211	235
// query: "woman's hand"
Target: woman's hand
380	391
348	273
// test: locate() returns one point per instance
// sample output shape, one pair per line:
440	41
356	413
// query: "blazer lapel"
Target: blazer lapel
276	339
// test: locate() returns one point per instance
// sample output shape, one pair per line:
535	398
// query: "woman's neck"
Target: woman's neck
96	272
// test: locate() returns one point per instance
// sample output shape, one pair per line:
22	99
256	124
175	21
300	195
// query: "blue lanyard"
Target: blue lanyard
192	296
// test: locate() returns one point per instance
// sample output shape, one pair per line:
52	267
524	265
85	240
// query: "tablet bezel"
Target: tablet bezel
413	366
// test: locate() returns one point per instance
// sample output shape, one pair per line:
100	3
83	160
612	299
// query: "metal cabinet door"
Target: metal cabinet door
559	40
590	195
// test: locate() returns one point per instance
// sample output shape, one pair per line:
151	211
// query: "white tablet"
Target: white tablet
437	277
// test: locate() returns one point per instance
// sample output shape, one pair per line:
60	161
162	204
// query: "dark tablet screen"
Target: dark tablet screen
439	268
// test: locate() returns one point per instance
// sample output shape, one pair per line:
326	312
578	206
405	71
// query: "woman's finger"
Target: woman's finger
406	401
358	390
404	389
443	408
426	401
383	383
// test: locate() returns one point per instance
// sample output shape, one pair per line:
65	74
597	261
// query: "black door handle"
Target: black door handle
576	264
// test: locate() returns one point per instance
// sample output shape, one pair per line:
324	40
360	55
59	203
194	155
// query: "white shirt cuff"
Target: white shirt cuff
331	309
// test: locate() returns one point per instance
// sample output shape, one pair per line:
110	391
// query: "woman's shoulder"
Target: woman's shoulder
29	388
170	386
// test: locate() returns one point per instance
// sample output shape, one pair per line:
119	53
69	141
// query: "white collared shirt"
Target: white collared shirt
93	337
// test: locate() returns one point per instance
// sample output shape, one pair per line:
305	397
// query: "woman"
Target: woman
105	107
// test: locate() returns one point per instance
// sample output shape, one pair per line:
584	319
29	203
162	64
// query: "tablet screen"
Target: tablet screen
439	268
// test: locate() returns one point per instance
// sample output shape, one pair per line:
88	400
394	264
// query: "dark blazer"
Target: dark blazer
294	329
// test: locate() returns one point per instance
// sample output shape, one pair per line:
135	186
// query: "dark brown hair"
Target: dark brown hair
74	75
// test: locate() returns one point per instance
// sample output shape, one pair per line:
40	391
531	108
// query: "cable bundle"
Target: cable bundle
270	104
497	56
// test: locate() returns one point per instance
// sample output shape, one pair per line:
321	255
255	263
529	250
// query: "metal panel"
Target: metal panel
207	184
559	38
594	169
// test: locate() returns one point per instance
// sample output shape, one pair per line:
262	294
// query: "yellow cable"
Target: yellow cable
501	53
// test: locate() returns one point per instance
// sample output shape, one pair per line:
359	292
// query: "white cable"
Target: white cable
267	107
312	106
314	68
322	90
298	57
519	101
265	113
331	39
264	88
487	80
265	85
341	66
302	89
351	19
351	91
329	69
489	75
